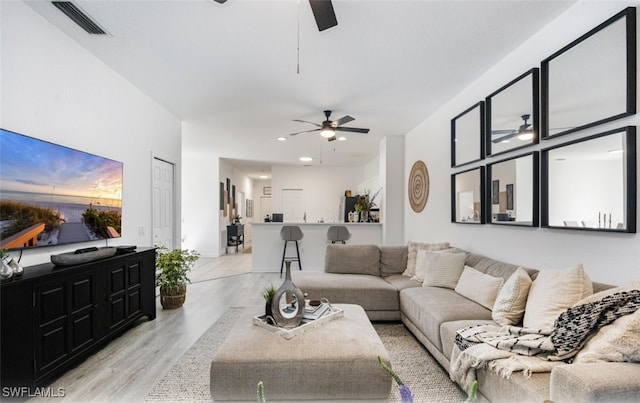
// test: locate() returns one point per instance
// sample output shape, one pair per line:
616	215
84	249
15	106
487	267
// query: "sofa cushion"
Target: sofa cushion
372	293
494	267
412	253
352	259
428	307
401	282
479	287
393	260
443	269
516	388
512	299
552	292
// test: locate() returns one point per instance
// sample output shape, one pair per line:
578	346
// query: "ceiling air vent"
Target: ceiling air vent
79	17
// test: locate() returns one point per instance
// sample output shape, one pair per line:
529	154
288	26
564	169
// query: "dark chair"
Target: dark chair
338	233
290	233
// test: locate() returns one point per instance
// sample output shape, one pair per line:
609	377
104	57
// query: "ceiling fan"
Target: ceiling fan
524	132
322	12
329	128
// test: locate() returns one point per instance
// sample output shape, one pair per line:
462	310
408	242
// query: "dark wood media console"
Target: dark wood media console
55	317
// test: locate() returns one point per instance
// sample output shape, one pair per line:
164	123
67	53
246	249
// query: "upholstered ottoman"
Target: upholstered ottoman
334	361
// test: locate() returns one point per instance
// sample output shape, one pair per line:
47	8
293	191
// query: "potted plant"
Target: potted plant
174	266
268	294
364	204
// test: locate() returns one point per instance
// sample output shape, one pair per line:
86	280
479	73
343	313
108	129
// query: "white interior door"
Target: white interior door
163	217
293	205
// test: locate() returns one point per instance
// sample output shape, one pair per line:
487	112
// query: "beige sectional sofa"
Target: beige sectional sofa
372	277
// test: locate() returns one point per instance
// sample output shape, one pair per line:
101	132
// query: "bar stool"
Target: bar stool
338	233
290	233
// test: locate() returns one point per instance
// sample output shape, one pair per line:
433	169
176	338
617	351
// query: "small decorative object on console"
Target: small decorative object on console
122	249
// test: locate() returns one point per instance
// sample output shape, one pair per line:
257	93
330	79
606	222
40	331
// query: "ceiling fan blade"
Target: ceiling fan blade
306	131
352	129
221	1
323	13
343	120
507	131
503	138
304	121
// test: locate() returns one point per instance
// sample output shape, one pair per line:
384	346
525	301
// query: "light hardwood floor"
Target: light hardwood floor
128	367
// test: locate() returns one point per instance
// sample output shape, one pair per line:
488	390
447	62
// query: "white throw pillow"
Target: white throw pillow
618	341
421	265
443	269
479	287
412	254
552	292
511	301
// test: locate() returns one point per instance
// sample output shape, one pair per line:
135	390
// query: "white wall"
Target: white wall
200	205
394	189
609	258
323	187
54	90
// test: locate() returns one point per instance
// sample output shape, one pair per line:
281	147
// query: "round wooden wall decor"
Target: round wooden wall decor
418	186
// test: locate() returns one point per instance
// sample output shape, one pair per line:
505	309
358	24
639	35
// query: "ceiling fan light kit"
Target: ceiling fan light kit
327	132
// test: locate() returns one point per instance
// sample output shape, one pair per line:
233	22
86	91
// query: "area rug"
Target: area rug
188	379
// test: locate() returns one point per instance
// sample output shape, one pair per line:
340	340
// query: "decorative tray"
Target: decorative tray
332	313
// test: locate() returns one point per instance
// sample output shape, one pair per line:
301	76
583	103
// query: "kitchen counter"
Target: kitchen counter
267	246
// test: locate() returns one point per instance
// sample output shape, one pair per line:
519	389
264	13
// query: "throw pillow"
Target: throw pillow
509	307
443	269
421	265
412	254
616	342
421	262
479	287
552	292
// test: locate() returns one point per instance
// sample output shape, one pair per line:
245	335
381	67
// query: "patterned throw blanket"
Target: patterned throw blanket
509	348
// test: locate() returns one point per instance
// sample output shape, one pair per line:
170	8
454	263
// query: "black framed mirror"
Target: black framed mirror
512	115
467	196
467	136
590	184
593	79
512	194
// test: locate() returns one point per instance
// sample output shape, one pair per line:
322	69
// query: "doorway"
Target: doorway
162	203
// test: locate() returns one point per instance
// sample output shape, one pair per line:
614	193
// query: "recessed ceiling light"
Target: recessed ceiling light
306	159
263	176
342	138
617	151
282	138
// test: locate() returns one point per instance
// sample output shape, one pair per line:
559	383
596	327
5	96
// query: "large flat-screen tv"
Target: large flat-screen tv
55	195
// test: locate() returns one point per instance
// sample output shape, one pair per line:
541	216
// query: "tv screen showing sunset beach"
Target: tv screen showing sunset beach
53	195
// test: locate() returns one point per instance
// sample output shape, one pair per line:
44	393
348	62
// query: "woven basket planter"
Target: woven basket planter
173	298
